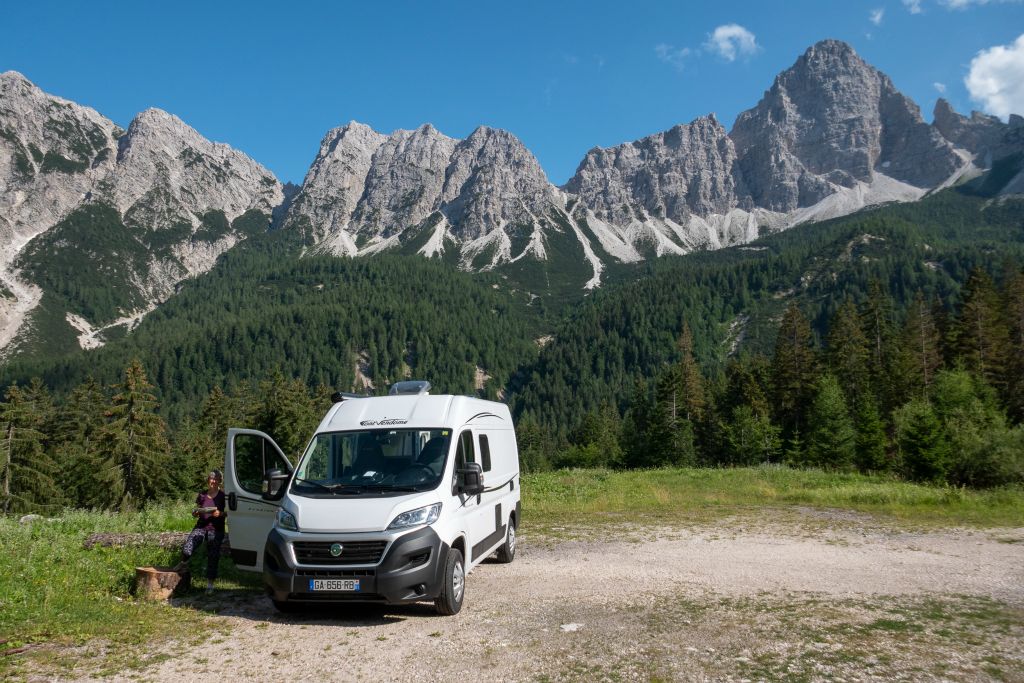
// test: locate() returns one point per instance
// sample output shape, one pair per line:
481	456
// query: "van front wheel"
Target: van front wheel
453	590
507	552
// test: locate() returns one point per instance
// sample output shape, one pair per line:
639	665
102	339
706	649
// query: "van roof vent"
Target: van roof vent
410	387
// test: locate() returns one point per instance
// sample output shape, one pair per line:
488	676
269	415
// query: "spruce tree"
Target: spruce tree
1013	302
28	482
921	441
136	462
847	351
793	371
871	455
981	336
920	354
81	420
286	413
878	321
831	439
750	438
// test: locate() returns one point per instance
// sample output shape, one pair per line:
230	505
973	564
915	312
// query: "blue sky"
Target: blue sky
564	76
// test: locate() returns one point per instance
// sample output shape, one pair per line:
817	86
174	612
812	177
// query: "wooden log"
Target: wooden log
160	583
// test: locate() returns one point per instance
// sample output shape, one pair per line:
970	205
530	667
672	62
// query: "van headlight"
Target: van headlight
424	515
286	520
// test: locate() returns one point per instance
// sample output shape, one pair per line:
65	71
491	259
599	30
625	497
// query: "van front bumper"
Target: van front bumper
411	570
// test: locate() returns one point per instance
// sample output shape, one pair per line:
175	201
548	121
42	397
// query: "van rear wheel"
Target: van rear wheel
453	589
507	552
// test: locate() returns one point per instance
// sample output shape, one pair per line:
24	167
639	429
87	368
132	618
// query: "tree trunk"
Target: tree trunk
160	583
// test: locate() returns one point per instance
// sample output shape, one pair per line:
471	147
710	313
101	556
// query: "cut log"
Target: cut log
160	583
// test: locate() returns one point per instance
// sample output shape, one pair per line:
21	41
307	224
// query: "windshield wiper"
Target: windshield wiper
331	488
389	487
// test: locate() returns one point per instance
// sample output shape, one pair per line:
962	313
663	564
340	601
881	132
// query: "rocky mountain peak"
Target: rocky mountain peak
830	121
492	180
162	159
984	136
670	175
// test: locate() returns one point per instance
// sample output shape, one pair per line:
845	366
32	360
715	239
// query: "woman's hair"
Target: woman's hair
216	474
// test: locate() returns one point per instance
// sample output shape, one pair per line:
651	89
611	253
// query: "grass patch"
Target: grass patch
702	494
73	608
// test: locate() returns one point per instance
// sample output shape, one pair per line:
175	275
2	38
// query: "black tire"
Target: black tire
453	590
507	552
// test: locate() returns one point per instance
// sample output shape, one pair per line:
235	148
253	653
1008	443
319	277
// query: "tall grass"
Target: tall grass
703	493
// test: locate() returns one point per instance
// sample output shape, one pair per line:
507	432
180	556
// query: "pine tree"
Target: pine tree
1013	302
878	320
28	482
287	413
750	438
793	371
831	439
920	354
871	439
981	337
691	382
847	351
133	444
922	444
79	426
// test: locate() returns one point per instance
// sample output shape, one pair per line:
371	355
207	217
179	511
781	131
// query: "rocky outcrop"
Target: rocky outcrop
53	153
176	193
365	188
985	137
687	170
828	122
491	181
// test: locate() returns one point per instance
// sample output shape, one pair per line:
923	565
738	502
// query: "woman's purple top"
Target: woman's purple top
207	520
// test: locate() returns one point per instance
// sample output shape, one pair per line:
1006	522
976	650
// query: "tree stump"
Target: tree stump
160	583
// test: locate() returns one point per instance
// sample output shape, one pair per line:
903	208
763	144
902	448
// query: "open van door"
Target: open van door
250	455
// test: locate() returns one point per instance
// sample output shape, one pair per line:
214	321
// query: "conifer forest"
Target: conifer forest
889	341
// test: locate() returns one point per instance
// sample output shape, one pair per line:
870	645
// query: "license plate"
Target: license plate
333	585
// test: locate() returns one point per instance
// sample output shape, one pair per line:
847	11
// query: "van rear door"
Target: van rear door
250	454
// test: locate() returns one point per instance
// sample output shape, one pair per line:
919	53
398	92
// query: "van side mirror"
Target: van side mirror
273	484
470	479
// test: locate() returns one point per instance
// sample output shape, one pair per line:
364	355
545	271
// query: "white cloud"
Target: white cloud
913	6
730	41
965	4
676	57
941	87
996	79
875	16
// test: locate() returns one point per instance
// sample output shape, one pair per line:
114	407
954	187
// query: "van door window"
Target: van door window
253	457
485	453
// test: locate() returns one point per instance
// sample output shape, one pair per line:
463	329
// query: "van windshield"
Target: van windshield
372	462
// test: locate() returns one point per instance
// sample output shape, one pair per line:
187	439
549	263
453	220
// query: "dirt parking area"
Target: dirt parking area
809	595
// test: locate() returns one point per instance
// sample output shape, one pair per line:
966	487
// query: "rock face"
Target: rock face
985	137
830	136
690	169
830	121
52	153
176	195
365	188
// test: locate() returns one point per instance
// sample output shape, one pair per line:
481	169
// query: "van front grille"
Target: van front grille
336	573
352	552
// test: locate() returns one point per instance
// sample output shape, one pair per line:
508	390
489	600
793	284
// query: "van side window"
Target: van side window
485	453
465	452
253	457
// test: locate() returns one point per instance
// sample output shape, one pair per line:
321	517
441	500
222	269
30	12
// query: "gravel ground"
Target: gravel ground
827	595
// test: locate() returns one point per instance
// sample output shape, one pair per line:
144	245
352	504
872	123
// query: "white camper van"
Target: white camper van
395	500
